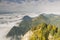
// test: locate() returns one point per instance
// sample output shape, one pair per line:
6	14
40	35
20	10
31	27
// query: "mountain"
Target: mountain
23	27
44	18
40	19
27	23
48	19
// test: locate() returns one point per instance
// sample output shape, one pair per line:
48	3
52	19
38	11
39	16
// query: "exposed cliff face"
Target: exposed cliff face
50	37
27	35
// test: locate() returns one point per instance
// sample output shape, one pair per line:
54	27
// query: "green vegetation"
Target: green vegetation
57	35
45	32
44	27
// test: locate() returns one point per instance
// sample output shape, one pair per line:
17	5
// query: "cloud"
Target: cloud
19	1
0	0
51	0
43	6
18	7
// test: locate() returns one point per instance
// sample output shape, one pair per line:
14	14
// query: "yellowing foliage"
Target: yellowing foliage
42	31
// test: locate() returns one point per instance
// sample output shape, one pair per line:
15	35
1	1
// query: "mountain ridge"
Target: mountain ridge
27	23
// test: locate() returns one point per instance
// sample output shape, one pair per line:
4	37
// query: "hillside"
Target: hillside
48	19
27	23
43	32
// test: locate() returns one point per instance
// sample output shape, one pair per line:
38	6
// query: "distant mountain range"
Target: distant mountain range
47	18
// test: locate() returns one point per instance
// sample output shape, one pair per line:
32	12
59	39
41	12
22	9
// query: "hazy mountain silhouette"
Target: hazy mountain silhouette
47	18
24	26
14	33
40	19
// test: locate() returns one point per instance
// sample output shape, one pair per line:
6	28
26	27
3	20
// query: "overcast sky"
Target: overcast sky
30	6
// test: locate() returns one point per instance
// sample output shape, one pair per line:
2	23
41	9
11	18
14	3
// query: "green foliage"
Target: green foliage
57	35
42	31
49	27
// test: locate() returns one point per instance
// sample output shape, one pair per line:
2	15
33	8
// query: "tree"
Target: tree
42	31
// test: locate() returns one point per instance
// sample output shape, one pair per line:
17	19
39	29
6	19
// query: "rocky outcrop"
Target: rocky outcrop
27	35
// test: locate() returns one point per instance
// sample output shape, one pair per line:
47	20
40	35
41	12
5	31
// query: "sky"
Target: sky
30	6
